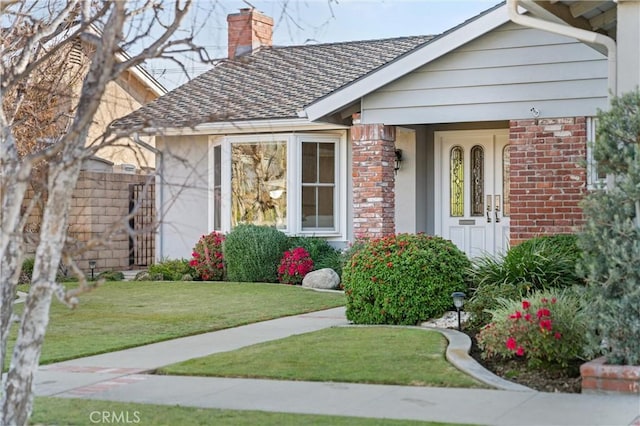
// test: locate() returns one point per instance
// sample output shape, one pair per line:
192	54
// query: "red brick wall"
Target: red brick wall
547	177
373	149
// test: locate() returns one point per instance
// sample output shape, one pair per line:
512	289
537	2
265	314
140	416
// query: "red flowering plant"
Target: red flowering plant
295	264
546	329
207	258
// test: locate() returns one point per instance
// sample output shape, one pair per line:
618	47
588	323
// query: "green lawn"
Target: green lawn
119	315
387	355
72	412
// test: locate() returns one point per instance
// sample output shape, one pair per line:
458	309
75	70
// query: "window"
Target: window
456	181
289	181
318	185
595	178
259	184
477	181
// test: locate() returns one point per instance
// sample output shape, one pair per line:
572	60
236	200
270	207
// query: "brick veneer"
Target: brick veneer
373	148
598	377
548	179
248	30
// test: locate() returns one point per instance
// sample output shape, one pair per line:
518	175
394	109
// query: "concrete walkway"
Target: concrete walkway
119	376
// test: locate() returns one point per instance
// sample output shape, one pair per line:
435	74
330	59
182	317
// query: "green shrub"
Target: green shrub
546	329
611	237
27	271
402	279
536	264
171	270
253	253
111	276
207	258
321	252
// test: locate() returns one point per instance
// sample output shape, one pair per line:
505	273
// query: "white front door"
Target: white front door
472	189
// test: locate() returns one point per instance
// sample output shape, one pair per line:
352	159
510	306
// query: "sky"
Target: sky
320	21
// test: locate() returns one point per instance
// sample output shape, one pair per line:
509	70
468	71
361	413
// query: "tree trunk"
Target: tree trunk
18	396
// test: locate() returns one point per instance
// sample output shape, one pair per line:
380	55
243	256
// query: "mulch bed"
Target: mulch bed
544	380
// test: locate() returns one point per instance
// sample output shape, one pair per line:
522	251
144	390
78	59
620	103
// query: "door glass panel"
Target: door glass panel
217	186
456	181
477	181
506	169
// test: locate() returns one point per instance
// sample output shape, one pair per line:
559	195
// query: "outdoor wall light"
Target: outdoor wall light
92	266
458	302
398	160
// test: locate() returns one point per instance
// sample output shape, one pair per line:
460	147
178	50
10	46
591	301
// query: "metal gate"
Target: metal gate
141	222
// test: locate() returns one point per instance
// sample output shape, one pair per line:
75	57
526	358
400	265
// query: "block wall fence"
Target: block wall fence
99	210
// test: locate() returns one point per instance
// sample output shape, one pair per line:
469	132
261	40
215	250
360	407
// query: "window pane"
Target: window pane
326	151
456	181
217	181
309	206
309	162
506	182
477	181
325	207
258	183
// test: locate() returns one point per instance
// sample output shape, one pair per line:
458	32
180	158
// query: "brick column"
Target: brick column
373	148
548	179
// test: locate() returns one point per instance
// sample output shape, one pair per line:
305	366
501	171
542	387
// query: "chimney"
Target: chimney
248	30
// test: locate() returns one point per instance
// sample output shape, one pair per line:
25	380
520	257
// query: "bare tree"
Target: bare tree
37	35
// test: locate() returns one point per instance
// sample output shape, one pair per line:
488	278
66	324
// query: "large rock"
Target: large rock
325	279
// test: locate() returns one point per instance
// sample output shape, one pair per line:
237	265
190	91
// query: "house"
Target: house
478	134
113	183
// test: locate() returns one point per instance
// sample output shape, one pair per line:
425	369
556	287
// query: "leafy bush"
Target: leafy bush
171	270
207	258
536	264
611	237
546	329
253	253
111	276
321	252
294	265
402	279
27	271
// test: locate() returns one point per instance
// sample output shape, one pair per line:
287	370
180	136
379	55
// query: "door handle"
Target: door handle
497	209
488	208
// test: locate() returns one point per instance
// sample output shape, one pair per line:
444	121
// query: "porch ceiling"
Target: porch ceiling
592	15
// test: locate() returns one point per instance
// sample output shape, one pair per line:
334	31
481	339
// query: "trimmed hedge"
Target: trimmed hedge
252	253
403	279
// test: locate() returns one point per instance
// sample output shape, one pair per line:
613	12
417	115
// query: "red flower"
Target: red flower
545	324
389	264
558	336
516	316
543	312
544	300
520	351
525	304
527	317
553	300
511	344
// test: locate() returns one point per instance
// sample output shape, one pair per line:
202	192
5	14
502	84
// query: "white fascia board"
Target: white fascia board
143	75
247	127
396	69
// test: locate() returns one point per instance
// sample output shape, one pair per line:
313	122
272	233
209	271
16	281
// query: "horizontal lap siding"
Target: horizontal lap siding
499	76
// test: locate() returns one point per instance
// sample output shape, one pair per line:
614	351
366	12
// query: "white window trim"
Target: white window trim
294	179
593	181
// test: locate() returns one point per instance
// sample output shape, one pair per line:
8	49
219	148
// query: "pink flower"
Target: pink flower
553	300
543	312
558	336
525	304
527	317
520	351
544	300
545	324
511	344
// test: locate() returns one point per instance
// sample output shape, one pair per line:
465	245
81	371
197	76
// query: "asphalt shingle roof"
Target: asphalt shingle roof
270	83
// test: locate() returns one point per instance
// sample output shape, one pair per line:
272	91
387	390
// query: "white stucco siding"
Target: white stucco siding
182	194
498	76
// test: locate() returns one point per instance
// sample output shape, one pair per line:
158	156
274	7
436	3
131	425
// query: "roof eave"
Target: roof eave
248	126
406	64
